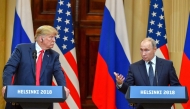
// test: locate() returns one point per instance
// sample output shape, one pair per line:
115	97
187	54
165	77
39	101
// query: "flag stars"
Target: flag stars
152	22
153	14
66	30
155	6
156	24
161	17
72	32
160	25
65	38
68	13
57	36
68	5
60	2
165	36
58	27
157	41
63	24
158	33
72	40
67	21
60	11
162	9
64	46
59	19
150	30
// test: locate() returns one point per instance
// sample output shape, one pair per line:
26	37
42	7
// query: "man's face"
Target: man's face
48	41
147	51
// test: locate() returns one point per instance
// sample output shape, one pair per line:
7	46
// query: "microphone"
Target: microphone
156	74
34	55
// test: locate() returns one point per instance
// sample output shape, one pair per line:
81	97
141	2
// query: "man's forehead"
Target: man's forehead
146	43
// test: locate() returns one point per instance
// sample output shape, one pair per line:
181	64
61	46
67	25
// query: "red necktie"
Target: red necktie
38	67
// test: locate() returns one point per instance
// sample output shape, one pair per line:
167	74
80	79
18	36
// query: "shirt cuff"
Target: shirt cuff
119	86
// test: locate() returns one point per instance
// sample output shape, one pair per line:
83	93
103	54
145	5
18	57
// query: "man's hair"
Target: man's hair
45	30
152	41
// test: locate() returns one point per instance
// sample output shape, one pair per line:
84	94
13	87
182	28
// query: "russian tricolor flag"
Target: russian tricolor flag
23	26
113	56
185	72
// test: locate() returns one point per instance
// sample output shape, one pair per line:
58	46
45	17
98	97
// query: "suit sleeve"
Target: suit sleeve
11	66
128	82
174	81
58	72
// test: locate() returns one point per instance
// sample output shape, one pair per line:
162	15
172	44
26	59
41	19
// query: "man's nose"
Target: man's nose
143	53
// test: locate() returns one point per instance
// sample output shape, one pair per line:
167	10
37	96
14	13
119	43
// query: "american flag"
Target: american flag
65	45
157	29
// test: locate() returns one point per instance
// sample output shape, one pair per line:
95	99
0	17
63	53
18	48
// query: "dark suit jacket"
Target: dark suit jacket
22	64
137	75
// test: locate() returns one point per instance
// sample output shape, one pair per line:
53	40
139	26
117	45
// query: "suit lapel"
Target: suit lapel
143	72
159	67
45	61
31	50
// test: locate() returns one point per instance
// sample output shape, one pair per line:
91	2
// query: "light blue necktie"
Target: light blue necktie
151	73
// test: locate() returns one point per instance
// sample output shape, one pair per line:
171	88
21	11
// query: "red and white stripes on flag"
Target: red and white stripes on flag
65	46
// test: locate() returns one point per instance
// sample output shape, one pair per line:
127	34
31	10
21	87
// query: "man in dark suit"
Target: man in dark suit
139	72
21	64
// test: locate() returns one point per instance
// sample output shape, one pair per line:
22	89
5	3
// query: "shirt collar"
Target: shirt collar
38	48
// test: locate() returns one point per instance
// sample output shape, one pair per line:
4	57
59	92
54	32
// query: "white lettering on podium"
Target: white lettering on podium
169	92
47	92
158	92
151	92
27	91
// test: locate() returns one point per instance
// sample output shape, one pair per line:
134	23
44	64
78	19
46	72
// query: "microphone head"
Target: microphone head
34	54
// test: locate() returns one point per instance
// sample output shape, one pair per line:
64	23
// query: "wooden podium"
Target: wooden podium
156	97
34	97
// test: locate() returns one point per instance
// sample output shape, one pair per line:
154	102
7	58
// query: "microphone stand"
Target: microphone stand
156	74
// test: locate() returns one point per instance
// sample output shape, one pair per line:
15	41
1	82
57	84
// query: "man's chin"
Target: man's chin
51	46
145	59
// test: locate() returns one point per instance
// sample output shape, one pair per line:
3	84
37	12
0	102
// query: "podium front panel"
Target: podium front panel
157	94
19	93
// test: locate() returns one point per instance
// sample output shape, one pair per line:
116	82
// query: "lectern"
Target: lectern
34	97
156	97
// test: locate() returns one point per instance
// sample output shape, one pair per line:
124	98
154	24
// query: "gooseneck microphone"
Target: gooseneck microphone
34	56
156	74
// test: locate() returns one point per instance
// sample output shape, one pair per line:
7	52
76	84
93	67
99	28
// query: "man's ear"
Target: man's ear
41	39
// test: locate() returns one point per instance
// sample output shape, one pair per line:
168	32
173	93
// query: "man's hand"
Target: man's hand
3	90
119	78
67	91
